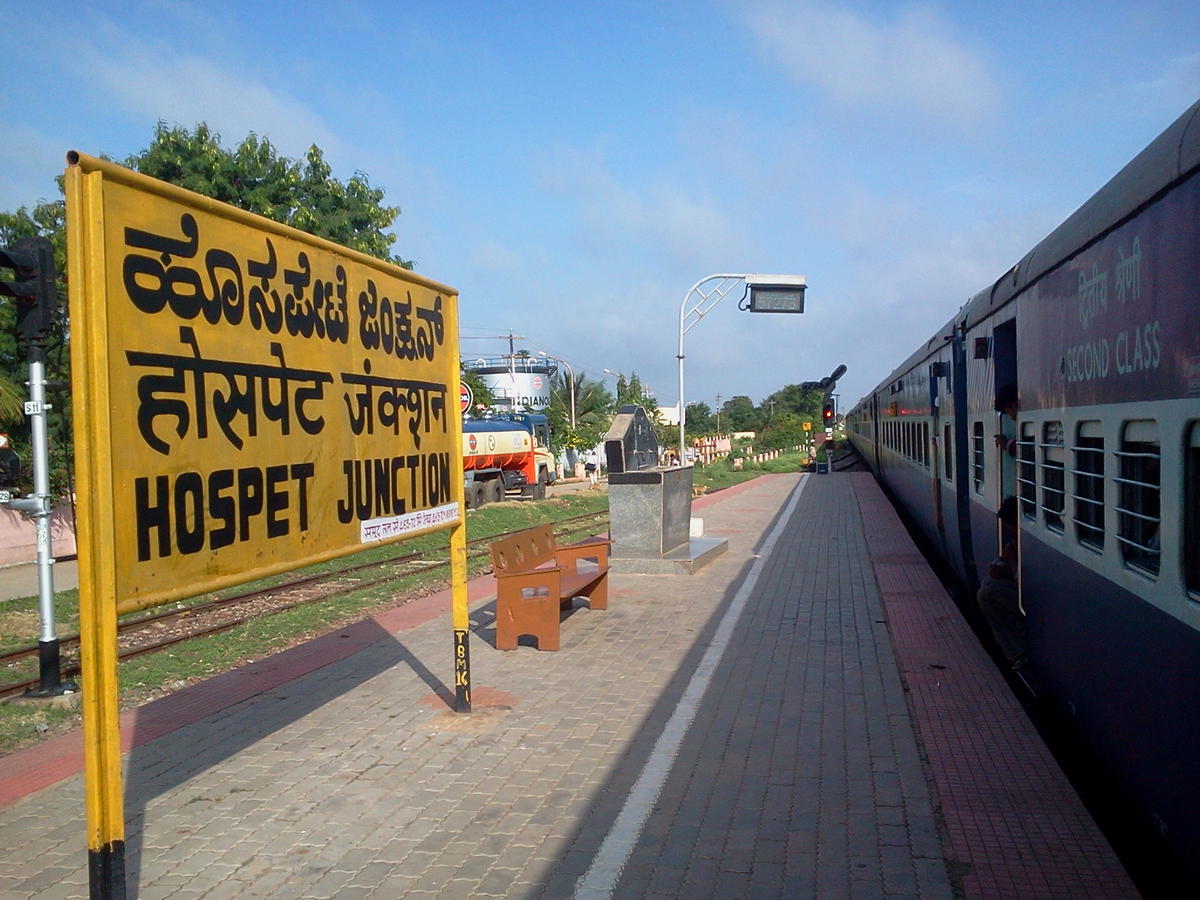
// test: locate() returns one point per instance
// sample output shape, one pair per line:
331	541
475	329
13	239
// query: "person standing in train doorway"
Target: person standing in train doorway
999	597
1007	405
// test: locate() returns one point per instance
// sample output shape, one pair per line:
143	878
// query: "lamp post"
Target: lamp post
768	293
570	386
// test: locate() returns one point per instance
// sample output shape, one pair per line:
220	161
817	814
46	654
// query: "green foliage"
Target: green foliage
631	392
480	392
795	399
740	414
700	420
593	411
47	220
254	177
784	429
12	400
721	474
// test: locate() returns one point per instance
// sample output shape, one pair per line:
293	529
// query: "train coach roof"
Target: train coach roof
1171	157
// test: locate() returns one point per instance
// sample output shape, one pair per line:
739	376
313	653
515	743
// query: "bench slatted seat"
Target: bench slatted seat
536	579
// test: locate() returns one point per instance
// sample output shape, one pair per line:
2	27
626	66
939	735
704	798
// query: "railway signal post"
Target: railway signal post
33	288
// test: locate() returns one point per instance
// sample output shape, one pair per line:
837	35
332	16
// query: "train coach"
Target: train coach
1097	329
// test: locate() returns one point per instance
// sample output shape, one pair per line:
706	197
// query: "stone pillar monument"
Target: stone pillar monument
650	507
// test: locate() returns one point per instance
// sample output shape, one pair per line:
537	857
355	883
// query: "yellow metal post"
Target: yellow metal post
97	601
460	613
461	617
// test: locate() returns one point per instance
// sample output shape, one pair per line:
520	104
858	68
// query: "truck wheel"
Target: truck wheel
539	490
494	492
475	497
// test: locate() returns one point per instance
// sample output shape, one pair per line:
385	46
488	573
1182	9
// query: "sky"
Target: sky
573	168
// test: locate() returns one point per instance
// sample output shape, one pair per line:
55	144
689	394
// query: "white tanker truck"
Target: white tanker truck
508	453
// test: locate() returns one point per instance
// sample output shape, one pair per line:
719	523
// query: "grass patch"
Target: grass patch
721	474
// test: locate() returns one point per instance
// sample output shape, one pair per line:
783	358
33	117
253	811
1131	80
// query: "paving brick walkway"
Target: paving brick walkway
338	770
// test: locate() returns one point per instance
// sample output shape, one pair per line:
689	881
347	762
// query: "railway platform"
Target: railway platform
807	716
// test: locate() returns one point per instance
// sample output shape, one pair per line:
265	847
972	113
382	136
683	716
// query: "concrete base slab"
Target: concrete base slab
687	559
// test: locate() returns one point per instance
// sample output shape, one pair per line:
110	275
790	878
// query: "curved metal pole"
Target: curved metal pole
708	299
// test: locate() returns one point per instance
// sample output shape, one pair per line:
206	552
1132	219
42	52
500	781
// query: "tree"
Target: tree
633	392
794	398
11	401
739	414
47	219
254	177
593	411
480	391
700	419
786	429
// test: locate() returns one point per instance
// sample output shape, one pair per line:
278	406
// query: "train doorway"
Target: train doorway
1004	357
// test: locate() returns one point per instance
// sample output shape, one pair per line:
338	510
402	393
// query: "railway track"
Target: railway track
151	633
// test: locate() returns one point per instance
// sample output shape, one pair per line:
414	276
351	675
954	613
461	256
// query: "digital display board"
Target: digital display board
777	299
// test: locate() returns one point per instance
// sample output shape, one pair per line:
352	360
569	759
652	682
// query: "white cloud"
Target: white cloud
493	257
187	90
1176	87
29	161
915	64
660	220
156	80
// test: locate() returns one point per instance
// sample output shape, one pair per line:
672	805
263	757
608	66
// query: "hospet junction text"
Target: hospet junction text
194	512
278	397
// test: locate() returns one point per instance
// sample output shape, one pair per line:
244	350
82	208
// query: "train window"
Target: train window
947	453
977	457
1053	495
925	444
1027	470
1138	496
1191	514
1089	485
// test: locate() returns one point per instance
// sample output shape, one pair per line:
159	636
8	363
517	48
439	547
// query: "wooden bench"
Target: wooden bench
536	578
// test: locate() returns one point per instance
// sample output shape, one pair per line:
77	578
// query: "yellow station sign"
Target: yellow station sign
253	398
